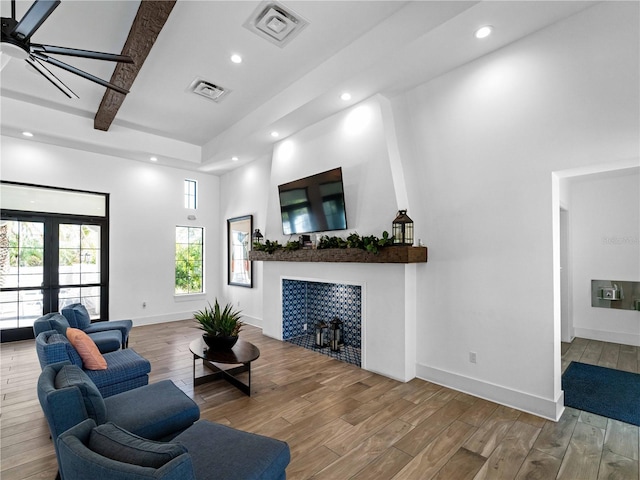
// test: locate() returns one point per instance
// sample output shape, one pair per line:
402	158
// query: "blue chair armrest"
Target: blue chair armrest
53	347
63	408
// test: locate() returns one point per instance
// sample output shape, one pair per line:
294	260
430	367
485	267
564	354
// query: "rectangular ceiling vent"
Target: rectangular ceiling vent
208	90
275	22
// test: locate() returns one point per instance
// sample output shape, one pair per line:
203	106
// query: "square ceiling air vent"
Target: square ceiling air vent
208	90
275	22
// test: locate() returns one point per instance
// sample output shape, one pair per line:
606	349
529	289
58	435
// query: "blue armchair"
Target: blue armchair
125	368
67	396
204	451
106	341
78	317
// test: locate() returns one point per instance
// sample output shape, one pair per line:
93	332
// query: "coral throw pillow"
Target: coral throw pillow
87	349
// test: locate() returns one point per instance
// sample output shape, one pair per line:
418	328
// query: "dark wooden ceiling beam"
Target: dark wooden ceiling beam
151	17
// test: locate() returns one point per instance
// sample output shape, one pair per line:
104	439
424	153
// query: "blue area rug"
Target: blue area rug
603	391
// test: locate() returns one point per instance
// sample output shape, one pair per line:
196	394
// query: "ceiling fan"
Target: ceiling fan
16	42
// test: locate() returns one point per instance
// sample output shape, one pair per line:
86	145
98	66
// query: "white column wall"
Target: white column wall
244	192
486	139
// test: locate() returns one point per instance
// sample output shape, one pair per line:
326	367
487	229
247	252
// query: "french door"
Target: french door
48	261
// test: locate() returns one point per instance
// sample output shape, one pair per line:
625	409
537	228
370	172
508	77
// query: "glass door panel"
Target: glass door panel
79	273
22	275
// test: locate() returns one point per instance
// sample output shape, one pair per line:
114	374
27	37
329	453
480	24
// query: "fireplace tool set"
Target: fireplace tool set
329	335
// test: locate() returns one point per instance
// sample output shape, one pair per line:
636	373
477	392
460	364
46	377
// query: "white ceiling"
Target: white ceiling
364	47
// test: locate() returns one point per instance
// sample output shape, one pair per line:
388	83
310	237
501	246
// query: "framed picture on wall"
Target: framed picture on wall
239	271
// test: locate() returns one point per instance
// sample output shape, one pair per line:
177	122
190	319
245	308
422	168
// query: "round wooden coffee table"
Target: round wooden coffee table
242	353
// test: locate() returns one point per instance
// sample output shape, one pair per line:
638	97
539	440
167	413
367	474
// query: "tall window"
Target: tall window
189	260
190	194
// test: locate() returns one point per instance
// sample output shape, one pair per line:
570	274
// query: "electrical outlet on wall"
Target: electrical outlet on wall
144	304
473	357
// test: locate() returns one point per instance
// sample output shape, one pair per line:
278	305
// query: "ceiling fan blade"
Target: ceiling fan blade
35	16
46	73
74	52
77	71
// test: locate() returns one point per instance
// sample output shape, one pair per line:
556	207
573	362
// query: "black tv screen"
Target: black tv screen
313	204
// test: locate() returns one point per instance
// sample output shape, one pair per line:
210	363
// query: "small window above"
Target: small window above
190	194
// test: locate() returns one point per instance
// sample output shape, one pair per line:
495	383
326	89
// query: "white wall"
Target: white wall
487	138
605	245
146	204
354	140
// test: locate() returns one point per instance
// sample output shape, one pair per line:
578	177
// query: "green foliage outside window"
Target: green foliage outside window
25	243
189	260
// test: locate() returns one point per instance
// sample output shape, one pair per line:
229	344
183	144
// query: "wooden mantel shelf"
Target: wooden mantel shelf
399	254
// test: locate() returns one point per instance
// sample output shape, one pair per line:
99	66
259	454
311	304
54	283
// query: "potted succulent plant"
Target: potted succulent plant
221	326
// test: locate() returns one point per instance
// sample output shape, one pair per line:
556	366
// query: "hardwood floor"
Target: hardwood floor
604	354
342	422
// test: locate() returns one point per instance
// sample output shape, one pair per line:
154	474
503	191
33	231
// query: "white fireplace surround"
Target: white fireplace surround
388	308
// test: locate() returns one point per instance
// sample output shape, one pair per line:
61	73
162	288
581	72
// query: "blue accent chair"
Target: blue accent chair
68	397
78	317
106	341
125	368
204	451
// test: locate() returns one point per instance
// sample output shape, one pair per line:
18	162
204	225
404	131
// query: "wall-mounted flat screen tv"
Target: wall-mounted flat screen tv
313	204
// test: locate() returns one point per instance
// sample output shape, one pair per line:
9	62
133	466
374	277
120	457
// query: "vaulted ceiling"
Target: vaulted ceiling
363	47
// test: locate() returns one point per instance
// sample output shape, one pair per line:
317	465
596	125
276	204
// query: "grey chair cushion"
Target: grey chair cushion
158	411
77	316
238	454
59	323
115	443
73	376
107	341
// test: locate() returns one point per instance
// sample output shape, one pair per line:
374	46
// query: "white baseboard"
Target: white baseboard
542	407
174	317
169	317
256	322
604	336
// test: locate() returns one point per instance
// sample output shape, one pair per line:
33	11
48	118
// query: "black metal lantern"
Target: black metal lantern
321	334
335	335
402	229
257	236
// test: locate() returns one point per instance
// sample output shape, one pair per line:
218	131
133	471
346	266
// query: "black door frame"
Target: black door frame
51	227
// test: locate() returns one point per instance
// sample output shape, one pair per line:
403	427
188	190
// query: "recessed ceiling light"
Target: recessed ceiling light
484	31
275	134
235	58
345	96
234	159
27	134
154	159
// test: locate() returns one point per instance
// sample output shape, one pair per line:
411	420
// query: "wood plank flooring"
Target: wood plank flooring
342	422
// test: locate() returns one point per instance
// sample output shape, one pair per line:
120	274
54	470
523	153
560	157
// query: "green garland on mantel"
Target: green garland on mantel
370	243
